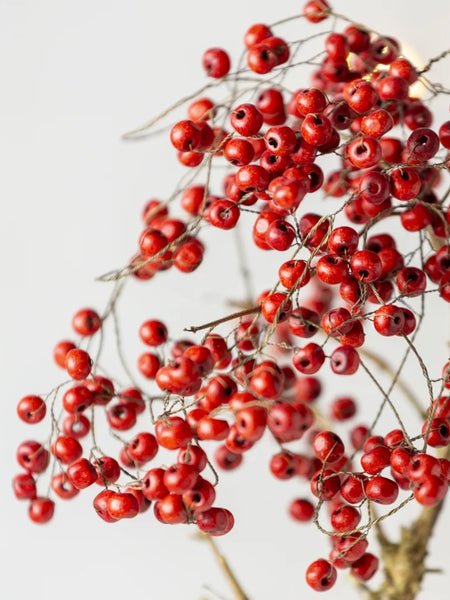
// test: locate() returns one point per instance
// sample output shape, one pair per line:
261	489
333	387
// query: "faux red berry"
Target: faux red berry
246	119
31	409
216	62
328	446
316	11
382	490
122	505
62	487
173	433
41	510
108	470
366	265
365	567
301	510
86	322
321	575
24	486
185	135
78	364
100	504
32	456
81	473
60	351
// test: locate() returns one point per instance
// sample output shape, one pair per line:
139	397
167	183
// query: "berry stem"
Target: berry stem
212	324
382	364
239	593
404	561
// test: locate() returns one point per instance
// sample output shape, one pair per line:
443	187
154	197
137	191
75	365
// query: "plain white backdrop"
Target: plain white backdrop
74	76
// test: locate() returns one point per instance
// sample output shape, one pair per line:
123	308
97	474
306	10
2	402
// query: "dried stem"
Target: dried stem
383	365
404	561
211	324
239	593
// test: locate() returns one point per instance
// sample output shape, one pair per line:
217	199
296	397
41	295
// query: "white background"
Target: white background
74	76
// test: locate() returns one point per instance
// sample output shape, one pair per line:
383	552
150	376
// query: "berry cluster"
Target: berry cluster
259	377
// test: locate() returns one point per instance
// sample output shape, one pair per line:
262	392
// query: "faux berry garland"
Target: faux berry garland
366	262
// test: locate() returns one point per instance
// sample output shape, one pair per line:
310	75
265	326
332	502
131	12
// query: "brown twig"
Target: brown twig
236	315
404	561
239	593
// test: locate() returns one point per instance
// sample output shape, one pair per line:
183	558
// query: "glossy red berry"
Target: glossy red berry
86	322
180	477
325	484
24	486
321	575
382	490
185	135
332	269
422	144
60	351
66	449
78	364
194	456
364	152
345	518
389	320
100	504
316	129
227	460
316	11
223	214
173	433
328	446
108	470
216	62
405	183
342	408
246	119
256	34
62	487
153	332
31	409
81	473
41	510
122	505
344	360
301	510
366	265
171	509
276	307
365	567
377	123
121	416
32	456
308	359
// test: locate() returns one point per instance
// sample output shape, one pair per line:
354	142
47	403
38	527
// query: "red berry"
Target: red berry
86	322
100	504
316	11
173	433
24	486
301	510
321	575
122	505
78	364
41	510
60	351
81	473
216	62
32	456
382	490
31	409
